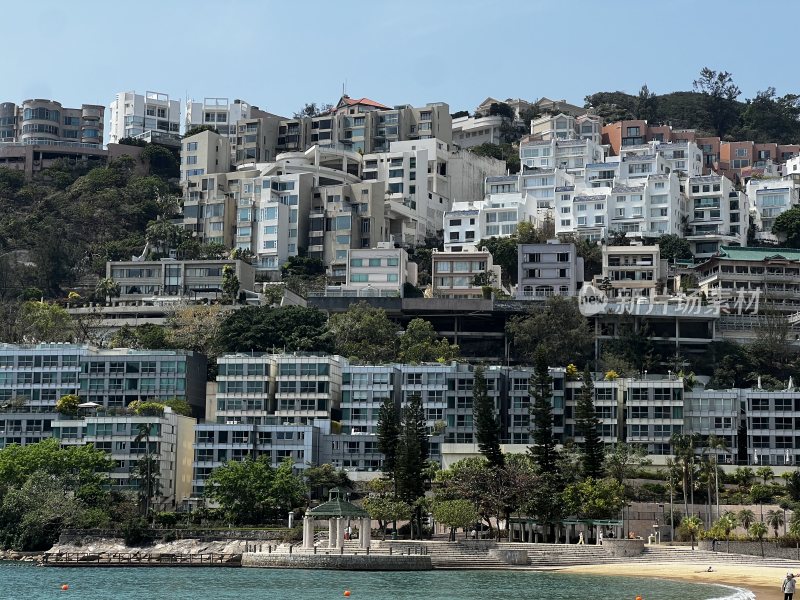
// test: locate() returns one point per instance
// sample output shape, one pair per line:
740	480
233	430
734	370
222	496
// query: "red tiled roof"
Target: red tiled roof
364	101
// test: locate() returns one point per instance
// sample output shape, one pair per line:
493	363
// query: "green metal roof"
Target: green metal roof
742	253
337	507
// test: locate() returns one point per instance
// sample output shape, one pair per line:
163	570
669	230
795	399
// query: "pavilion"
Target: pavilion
338	512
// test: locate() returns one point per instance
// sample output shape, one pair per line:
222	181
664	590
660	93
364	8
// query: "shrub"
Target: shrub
135	532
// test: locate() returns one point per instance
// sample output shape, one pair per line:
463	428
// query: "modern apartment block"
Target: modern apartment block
380	271
563	126
136	115
220	113
217	443
476	130
463	274
569	154
718	215
191	279
767	199
168	438
277	388
770	274
33	378
48	123
546	270
633	271
204	153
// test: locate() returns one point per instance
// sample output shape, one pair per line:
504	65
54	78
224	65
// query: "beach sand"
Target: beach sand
765	582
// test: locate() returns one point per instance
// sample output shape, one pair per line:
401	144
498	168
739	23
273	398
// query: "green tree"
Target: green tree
646	105
543	452
251	492
586	426
388	436
264	329
558	327
765	473
673	247
68	405
787	227
419	343
746	517
692	526
595	498
302	266
720	94
623	460
456	514
775	520
504	253
386	509
312	109
106	289
758	530
322	478
230	284
148	336
198	129
43	322
365	333
486	424
769	118
161	160
759	494
412	452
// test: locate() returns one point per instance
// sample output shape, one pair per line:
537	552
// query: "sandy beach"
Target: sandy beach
763	581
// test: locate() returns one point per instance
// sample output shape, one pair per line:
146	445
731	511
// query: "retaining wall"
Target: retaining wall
623	548
752	549
510	557
343	562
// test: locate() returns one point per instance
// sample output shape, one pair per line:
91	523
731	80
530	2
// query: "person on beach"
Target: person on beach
788	586
580	538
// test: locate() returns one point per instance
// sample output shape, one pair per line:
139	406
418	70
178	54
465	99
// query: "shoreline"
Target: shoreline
763	582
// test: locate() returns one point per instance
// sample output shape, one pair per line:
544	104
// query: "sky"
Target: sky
279	55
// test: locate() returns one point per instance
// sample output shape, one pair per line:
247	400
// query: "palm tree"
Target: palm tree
144	434
775	520
683	449
746	517
673	475
794	524
715	442
693	526
728	522
765	473
758	530
784	504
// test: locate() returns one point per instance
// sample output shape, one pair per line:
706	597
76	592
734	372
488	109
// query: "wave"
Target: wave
736	593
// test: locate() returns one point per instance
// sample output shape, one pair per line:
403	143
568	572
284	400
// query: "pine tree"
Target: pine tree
388	435
412	452
486	424
586	423
543	450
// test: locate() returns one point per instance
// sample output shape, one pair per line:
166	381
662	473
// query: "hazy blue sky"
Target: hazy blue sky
279	55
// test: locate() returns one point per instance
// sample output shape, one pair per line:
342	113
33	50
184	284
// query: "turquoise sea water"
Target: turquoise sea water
26	581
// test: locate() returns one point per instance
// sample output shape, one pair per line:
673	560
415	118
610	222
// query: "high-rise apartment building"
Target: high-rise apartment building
152	115
48	123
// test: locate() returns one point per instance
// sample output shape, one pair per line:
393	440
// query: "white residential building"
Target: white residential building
463	274
134	115
220	113
717	215
633	271
474	131
381	271
767	199
541	184
570	155
567	127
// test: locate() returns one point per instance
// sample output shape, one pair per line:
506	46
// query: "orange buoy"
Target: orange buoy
64	587
347	593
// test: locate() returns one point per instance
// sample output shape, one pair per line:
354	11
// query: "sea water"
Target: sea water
27	581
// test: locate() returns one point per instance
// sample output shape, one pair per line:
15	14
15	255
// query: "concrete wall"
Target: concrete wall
344	562
752	549
624	548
